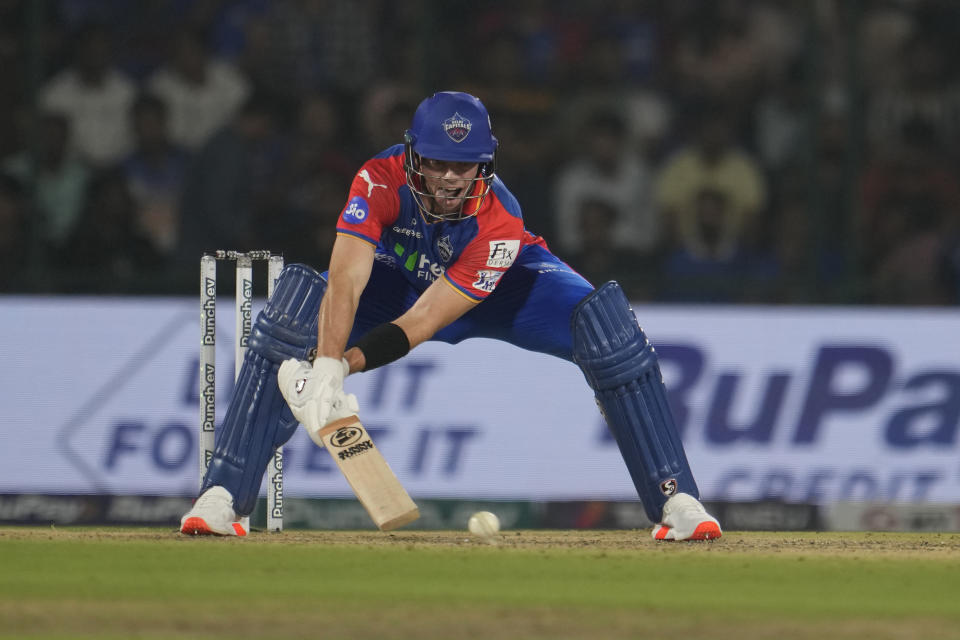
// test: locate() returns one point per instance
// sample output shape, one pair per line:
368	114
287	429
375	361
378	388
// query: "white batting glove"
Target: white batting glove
312	391
344	405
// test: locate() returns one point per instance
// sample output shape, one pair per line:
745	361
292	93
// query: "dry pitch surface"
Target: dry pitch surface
150	583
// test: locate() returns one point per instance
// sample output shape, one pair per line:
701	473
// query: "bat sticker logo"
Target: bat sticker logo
346	436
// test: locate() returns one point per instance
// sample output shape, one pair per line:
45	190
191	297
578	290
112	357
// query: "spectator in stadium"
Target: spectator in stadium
915	271
202	93
611	171
318	139
57	176
714	270
317	174
432	245
233	182
301	47
532	163
155	173
804	238
716	53
600	258
711	161
780	121
922	86
913	189
108	252
95	98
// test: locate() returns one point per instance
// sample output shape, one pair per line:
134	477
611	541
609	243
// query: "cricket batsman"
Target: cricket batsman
431	245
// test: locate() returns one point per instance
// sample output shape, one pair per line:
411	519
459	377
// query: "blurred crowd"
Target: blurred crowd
719	151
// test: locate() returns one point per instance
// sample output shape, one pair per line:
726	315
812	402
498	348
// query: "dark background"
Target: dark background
728	151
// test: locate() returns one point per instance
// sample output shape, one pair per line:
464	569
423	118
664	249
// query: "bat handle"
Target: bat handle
330	427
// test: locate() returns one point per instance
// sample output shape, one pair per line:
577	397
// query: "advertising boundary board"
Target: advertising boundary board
791	404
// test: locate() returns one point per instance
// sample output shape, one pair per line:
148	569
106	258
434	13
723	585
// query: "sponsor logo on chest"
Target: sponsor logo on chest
418	263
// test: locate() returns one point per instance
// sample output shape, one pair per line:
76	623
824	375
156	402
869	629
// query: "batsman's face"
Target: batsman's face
448	182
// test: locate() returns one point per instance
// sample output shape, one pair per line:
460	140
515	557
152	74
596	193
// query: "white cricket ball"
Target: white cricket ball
484	524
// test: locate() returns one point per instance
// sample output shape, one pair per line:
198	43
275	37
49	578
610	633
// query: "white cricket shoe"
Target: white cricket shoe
213	514
684	518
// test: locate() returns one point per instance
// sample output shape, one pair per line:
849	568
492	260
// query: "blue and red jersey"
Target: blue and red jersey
470	254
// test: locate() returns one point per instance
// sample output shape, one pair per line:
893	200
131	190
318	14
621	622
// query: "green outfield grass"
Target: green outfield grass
148	583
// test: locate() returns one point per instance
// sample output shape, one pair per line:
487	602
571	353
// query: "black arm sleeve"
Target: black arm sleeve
382	345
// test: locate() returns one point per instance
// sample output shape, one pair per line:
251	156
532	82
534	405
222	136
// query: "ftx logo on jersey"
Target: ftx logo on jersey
502	253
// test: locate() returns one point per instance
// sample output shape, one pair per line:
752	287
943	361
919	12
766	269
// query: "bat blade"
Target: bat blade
369	475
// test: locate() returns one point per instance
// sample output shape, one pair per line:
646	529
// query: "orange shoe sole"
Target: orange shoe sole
704	531
198	527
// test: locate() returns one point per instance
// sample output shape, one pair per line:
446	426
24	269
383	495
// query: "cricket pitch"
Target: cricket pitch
155	583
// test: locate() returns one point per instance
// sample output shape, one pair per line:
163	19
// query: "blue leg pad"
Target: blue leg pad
258	419
621	367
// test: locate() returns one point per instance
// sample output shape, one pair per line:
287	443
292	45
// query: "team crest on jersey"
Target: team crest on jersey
445	248
457	127
487	280
356	211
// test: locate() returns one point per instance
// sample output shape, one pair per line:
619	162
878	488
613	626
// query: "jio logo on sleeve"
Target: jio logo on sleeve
356	211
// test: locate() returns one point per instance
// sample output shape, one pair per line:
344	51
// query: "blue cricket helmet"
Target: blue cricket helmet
455	126
451	126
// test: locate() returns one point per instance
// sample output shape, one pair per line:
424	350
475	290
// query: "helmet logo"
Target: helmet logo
457	127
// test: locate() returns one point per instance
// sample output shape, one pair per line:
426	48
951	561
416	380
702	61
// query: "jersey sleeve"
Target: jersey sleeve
373	201
486	258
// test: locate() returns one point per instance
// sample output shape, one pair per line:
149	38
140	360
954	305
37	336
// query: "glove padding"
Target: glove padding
315	393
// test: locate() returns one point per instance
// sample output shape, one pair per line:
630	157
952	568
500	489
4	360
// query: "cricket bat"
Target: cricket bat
369	475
